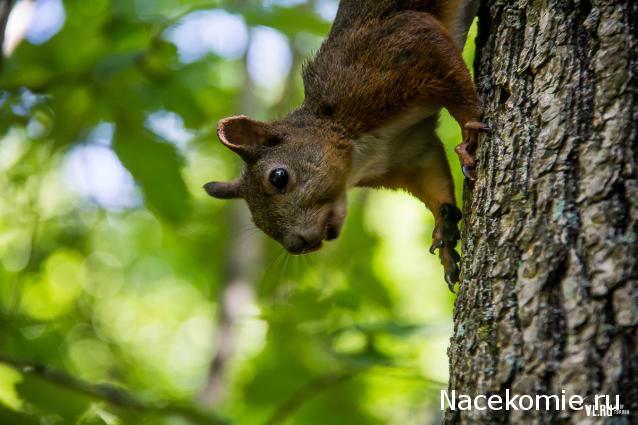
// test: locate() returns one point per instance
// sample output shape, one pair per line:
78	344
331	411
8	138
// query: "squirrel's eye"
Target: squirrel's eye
278	178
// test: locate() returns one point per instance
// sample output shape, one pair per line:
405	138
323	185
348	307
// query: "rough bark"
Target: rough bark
549	294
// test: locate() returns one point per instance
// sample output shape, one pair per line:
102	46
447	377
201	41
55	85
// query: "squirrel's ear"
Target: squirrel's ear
243	135
224	190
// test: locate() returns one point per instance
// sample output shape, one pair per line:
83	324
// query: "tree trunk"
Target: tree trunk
549	294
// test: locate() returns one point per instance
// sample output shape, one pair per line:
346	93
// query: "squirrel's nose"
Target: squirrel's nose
309	242
304	242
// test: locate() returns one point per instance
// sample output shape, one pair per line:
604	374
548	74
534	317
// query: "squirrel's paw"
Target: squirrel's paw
444	238
466	150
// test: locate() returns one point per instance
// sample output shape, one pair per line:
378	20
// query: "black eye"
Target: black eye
278	178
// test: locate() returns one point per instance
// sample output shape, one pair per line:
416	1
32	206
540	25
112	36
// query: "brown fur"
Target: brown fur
372	96
366	76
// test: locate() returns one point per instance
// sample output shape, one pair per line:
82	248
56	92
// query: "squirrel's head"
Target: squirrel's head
294	178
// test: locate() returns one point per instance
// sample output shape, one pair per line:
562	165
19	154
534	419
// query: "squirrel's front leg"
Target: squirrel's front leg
430	181
434	186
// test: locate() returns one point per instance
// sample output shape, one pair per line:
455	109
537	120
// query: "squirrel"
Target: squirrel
373	93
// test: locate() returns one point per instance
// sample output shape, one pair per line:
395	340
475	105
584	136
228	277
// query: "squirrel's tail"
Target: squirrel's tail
457	16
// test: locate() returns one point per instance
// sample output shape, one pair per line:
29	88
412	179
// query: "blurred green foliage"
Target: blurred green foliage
115	267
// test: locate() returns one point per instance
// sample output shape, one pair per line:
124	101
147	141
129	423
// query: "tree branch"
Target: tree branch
112	394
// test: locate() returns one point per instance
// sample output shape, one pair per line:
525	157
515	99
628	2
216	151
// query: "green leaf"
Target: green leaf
156	167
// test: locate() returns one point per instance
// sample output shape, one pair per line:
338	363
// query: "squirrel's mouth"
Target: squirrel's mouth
312	248
306	248
331	233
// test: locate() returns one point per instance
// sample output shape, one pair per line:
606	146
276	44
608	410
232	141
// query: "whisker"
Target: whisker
285	272
247	228
247	236
272	265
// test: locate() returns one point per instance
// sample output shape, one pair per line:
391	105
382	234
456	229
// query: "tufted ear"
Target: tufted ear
224	190
245	136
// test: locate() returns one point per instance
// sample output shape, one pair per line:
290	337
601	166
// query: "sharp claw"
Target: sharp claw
452	276
467	173
476	126
436	245
445	239
451	279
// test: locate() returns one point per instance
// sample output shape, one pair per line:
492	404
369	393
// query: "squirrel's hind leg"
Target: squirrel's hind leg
467	149
450	85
